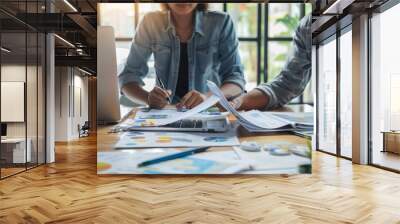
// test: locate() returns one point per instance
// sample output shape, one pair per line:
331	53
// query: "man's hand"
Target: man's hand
191	99
158	98
255	99
237	102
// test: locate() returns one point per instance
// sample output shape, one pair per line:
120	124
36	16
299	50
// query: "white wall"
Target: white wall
71	94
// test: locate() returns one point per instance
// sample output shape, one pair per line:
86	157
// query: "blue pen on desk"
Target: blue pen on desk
173	156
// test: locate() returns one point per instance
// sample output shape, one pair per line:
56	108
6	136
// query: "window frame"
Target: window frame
336	36
379	10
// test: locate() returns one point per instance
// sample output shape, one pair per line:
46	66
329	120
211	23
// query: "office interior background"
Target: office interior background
48	71
48	81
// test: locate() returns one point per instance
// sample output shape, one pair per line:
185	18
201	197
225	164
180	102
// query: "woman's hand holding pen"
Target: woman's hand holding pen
158	97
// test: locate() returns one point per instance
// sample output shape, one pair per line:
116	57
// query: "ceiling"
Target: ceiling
74	22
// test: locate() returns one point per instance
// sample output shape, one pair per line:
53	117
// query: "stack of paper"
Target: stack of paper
256	121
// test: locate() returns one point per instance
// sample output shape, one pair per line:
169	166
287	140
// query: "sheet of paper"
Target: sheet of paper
263	120
164	120
265	161
137	139
251	120
305	118
125	162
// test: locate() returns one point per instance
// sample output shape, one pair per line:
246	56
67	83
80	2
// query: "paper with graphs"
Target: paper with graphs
154	120
257	121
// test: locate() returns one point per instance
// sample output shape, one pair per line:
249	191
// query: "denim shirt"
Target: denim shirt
296	73
212	52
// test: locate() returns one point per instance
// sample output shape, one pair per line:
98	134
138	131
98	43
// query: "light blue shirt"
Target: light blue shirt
212	52
296	73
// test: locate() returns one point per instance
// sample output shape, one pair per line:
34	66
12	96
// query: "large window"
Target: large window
22	77
385	86
327	97
346	94
263	48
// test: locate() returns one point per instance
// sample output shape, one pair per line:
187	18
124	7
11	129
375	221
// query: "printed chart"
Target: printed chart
136	139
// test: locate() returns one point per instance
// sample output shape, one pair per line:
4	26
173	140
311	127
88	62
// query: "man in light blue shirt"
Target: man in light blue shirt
291	81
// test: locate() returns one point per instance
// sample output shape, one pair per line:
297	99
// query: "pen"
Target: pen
163	87
173	156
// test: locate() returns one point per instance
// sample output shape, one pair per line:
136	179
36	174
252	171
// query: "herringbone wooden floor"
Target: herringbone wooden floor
69	191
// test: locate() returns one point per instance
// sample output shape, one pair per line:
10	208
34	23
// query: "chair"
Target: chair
84	130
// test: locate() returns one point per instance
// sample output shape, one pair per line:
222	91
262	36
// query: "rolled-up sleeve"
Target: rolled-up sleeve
136	68
231	69
296	73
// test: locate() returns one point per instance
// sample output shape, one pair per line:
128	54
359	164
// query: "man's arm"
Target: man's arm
293	78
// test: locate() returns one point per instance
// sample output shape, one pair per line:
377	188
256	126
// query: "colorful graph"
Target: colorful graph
174	139
154	116
164	139
101	166
139	139
216	139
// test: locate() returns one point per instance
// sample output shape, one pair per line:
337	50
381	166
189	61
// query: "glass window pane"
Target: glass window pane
120	16
308	94
327	97
308	8
346	94
277	55
41	99
244	16
248	52
385	87
216	6
146	8
283	19
31	100
13	82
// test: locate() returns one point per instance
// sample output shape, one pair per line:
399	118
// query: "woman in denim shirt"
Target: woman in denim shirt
190	45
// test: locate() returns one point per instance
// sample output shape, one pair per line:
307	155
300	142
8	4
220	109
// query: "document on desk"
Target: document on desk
137	139
168	117
162	114
126	161
267	163
257	121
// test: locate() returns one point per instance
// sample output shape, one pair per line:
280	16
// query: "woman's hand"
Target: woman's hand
158	98
191	99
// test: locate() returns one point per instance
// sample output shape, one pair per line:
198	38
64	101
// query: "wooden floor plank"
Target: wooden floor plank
70	191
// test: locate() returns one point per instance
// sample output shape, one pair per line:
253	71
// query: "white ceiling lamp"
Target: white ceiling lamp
5	50
337	7
65	41
70	5
84	71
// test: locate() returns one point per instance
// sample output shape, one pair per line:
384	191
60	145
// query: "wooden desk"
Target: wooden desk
106	140
391	141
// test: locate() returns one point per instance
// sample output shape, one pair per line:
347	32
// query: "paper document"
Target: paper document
163	114
136	139
155	120
268	162
126	161
256	121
